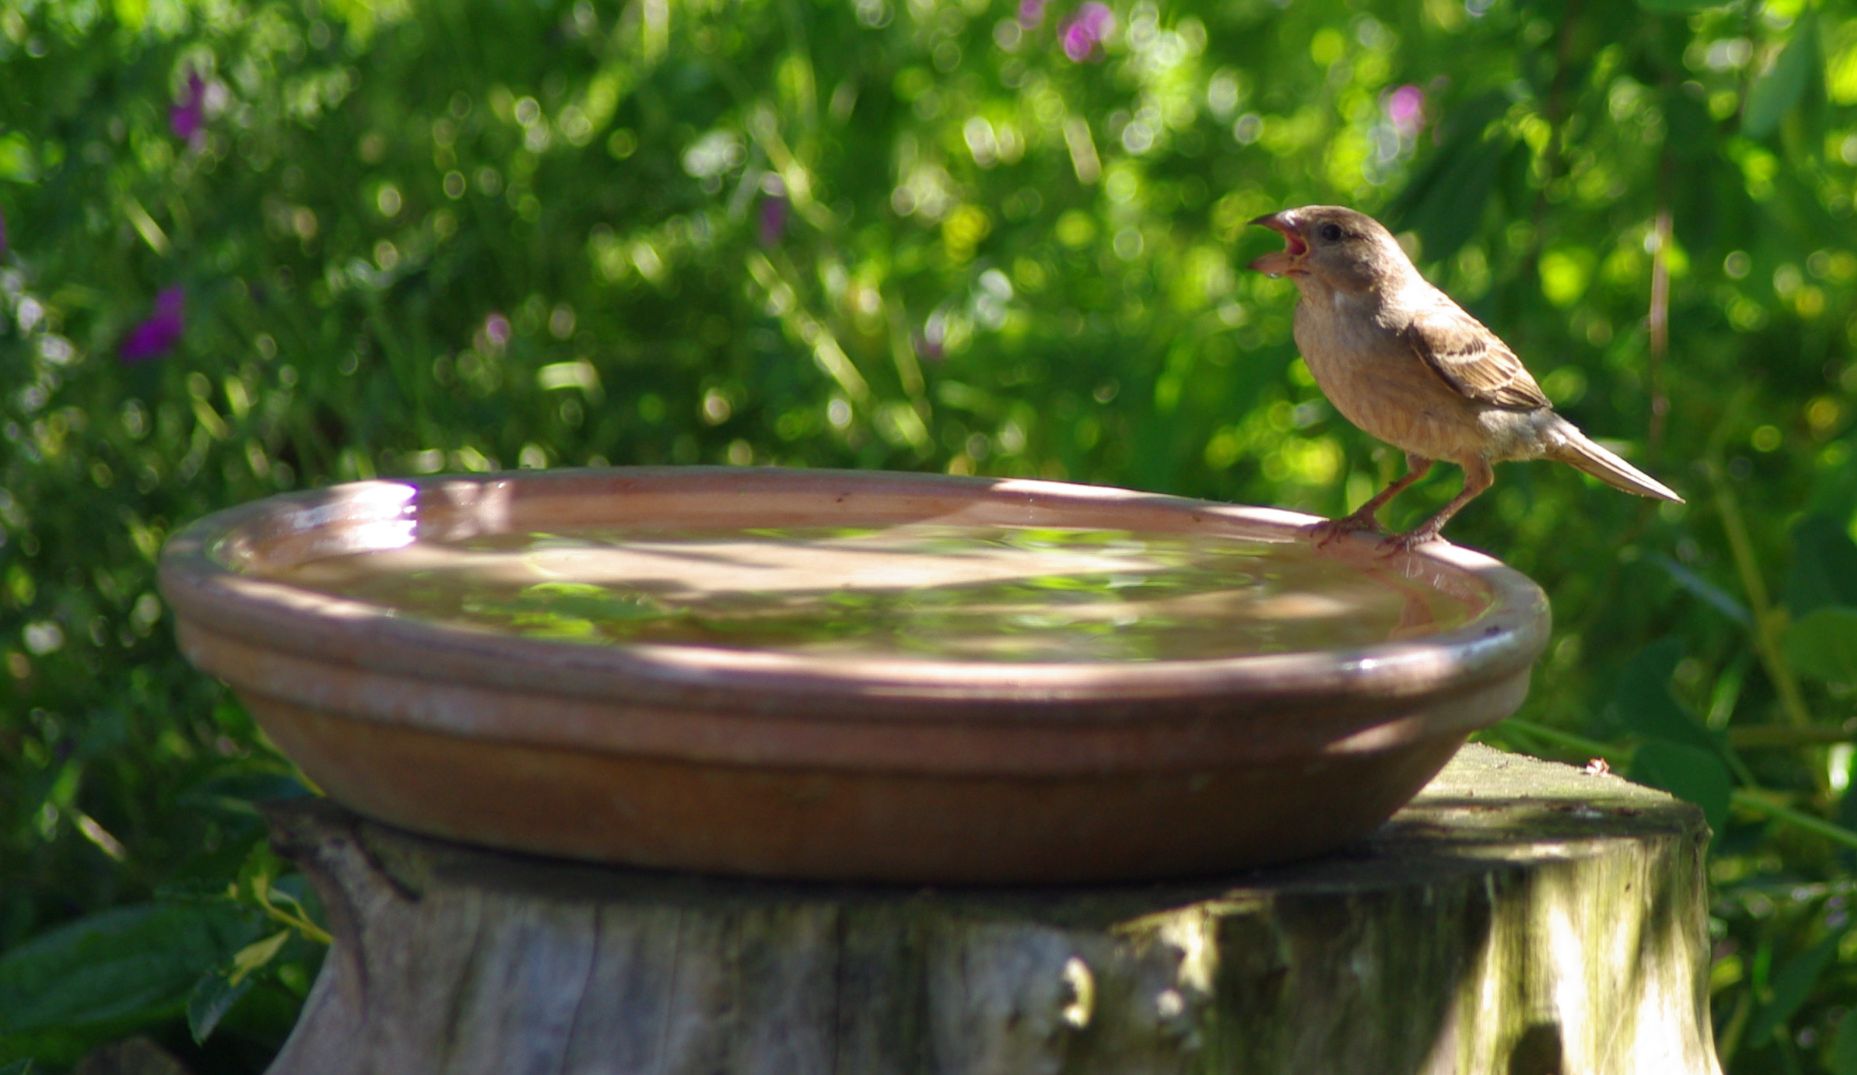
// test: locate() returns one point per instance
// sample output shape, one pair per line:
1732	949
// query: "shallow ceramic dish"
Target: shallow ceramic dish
867	761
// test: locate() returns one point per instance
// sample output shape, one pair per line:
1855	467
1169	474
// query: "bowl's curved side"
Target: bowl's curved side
748	794
878	770
207	574
837	824
1110	736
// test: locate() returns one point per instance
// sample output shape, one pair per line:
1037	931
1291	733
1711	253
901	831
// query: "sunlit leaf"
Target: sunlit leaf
1681	6
1779	88
16	161
255	955
1566	272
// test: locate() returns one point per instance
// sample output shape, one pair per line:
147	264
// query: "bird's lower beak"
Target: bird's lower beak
1288	260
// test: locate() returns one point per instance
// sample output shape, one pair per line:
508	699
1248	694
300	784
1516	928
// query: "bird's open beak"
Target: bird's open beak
1288	261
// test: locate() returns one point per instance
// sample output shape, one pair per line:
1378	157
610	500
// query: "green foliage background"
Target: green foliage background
912	235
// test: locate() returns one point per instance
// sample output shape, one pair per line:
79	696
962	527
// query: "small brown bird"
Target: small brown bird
1405	363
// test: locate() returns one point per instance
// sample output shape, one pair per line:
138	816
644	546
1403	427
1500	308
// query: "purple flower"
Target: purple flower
496	330
1083	33
1405	108
187	116
155	334
1031	13
773	219
930	342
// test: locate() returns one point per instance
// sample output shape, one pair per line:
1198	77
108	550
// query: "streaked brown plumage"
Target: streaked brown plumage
1403	362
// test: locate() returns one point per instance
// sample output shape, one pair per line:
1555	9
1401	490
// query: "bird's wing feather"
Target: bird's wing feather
1471	359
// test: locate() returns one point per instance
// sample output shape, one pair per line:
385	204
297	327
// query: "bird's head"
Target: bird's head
1335	248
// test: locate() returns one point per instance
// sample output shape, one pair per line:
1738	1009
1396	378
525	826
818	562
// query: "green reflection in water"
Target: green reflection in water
944	592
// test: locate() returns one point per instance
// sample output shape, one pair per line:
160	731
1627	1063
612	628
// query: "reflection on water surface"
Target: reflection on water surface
937	592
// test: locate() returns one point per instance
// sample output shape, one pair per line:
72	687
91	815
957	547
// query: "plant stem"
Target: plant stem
1760	803
1786	737
298	922
1659	316
1578	743
1760	608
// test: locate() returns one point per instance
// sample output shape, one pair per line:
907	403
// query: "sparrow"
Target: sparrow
1403	362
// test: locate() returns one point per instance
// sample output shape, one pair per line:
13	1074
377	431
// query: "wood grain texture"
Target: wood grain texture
1517	917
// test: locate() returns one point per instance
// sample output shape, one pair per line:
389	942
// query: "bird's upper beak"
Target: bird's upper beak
1288	261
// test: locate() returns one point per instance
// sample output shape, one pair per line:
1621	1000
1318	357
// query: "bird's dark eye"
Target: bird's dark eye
1330	233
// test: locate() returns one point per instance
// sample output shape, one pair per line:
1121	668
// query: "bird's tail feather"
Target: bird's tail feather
1579	451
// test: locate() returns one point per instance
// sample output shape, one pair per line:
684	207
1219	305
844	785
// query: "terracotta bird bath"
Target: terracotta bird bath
838	675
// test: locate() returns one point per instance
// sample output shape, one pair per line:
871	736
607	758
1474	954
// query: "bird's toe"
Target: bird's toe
1325	532
1408	541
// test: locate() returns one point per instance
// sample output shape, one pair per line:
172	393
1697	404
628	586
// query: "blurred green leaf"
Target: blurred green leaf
1691	127
1778	90
16	162
1844	1046
212	997
1793	981
1824	568
1681	6
1643	704
1822	644
122	966
1693	775
1445	199
257	954
1846	814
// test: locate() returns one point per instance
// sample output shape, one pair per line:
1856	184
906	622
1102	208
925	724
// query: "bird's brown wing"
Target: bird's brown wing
1472	360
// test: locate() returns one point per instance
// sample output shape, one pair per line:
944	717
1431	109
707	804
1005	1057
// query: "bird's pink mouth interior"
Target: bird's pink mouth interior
1288	261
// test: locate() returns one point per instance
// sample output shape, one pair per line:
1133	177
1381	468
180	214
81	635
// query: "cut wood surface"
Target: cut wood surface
1517	918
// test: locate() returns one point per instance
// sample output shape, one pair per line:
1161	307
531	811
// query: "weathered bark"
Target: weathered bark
1518	917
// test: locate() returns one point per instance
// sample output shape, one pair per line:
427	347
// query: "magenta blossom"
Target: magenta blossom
496	330
773	219
1031	13
156	334
1405	108
1082	34
187	116
930	342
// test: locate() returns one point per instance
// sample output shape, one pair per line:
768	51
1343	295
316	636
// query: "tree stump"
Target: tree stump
1518	917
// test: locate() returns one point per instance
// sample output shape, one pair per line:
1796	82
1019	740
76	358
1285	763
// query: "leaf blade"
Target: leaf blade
1822	645
1780	87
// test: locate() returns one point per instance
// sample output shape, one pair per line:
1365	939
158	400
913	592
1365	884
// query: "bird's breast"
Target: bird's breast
1373	377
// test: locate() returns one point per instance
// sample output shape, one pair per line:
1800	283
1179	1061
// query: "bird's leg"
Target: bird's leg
1478	476
1362	518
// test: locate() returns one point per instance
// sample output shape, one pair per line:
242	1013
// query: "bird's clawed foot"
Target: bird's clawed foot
1394	544
1325	532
